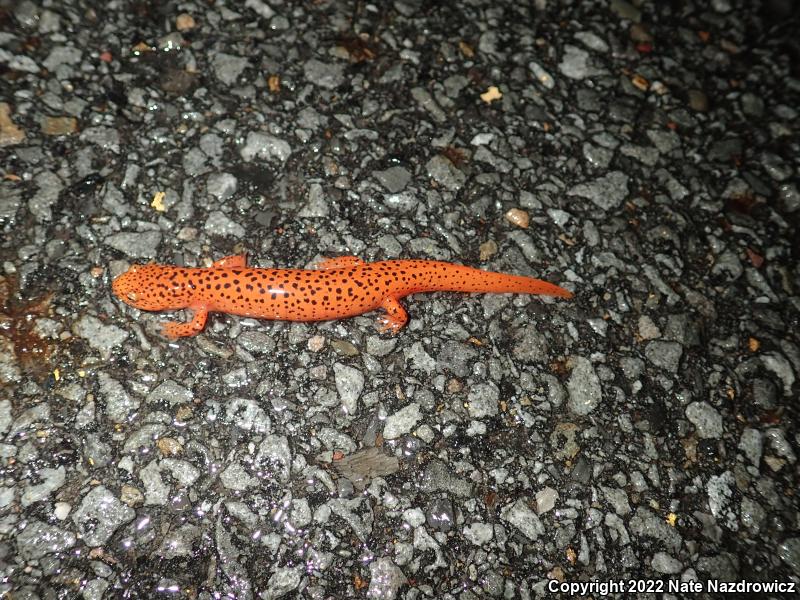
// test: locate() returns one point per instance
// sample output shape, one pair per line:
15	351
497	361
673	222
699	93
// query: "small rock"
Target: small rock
607	192
10	134
518	218
583	386
706	419
228	67
100	515
185	22
523	518
324	75
401	422
386	579
265	146
136	245
349	384
664	563
103	338
482	400
394	179
218	223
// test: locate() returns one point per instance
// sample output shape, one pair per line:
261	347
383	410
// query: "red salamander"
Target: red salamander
339	287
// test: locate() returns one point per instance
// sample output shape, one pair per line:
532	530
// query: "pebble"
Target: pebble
283	581
575	63
325	75
479	534
607	192
626	10
789	552
401	422
583	386
316	204
106	138
518	218
666	355
752	444
118	403
135	245
386	579
445	173
101	337
664	563
265	146
51	480
222	185
39	539
10	134
546	500
523	518
349	385
394	179
228	67
218	223
482	400
99	515
706	419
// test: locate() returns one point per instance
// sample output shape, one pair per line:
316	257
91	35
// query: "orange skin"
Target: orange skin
339	287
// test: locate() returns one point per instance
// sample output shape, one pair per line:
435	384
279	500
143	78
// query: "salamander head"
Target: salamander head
149	287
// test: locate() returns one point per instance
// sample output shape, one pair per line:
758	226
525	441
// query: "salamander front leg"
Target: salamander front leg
236	261
174	330
396	316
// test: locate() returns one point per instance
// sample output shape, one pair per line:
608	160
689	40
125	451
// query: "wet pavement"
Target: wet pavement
642	155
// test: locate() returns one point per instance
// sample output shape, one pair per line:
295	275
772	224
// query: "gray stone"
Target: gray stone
574	63
482	400
664	563
40	539
706	419
136	245
101	337
52	479
222	185
218	223
106	138
401	422
583	387
50	188
324	75
274	457
317	205
349	384
386	579
394	179
666	355
265	146
170	393
445	173
100	515
118	403
607	192
227	67
523	518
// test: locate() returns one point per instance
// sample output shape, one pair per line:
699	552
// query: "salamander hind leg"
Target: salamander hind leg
236	261
339	262
174	330
396	316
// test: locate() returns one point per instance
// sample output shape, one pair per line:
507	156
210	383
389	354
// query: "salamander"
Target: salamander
339	287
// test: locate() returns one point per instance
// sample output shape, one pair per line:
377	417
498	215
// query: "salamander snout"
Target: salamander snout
134	287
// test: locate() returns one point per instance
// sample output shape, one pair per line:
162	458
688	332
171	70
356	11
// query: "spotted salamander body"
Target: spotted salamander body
339	287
